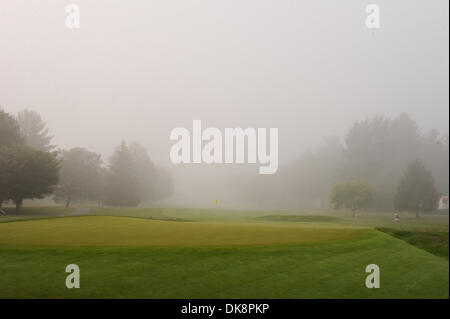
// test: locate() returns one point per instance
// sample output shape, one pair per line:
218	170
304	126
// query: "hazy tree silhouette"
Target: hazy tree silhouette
122	186
34	130
416	191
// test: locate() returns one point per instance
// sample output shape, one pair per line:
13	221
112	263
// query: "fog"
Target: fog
136	70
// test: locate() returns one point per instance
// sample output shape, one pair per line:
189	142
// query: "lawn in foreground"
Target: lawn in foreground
333	269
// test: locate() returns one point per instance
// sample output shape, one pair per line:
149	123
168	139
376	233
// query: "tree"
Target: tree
34	130
375	149
145	172
27	173
154	182
305	182
80	176
9	136
435	156
371	154
416	190
354	195
122	188
9	130
4	175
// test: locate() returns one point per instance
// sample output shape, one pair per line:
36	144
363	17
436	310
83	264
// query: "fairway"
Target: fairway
106	231
123	257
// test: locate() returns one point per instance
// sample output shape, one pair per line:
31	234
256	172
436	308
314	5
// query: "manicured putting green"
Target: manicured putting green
110	231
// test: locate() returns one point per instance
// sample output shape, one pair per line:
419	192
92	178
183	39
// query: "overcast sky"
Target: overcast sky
137	69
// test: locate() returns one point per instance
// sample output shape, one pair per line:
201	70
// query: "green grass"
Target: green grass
105	231
432	241
407	221
299	218
142	258
332	270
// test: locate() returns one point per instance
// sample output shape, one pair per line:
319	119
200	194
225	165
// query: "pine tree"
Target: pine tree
34	130
9	130
416	191
122	184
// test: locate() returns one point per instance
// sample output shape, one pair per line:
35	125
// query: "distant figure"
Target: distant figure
2	212
396	217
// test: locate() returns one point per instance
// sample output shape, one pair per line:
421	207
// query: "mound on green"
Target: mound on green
106	231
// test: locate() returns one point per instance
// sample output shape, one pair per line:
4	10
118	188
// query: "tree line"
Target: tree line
389	155
31	167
